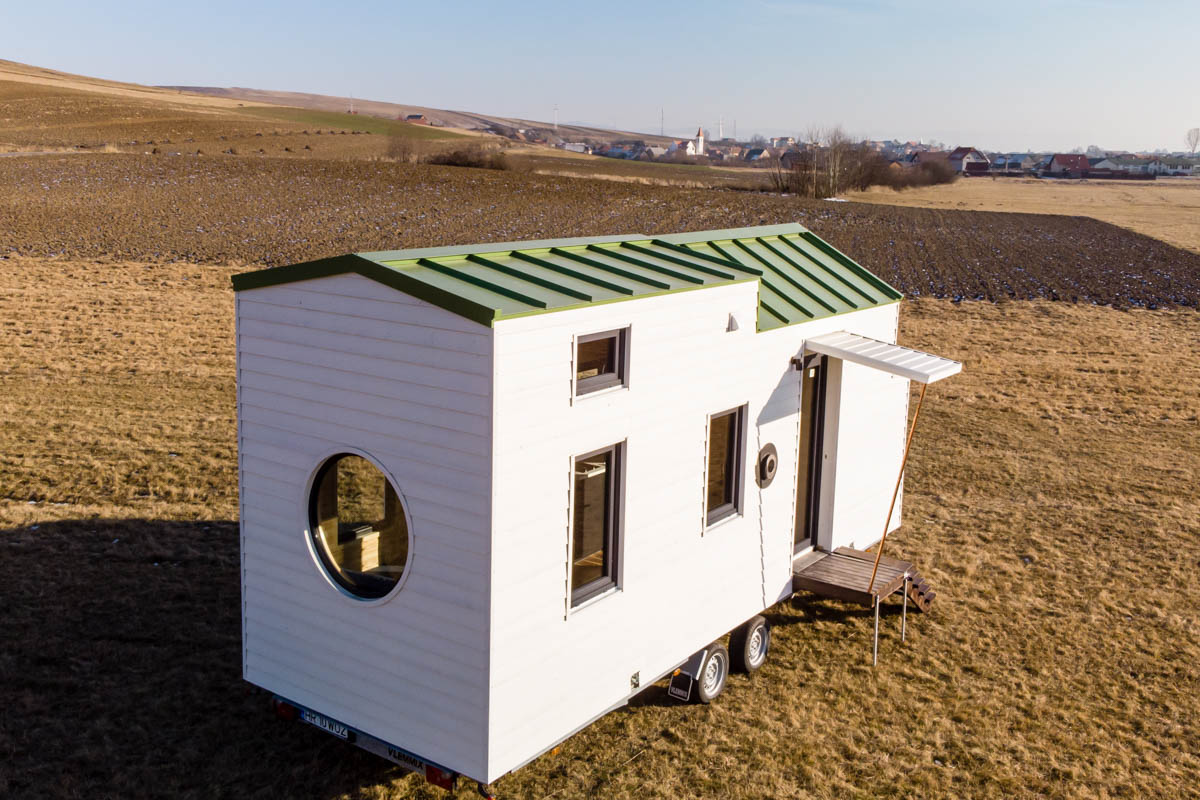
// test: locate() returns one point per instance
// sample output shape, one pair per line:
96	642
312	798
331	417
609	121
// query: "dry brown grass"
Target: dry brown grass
1052	501
1168	208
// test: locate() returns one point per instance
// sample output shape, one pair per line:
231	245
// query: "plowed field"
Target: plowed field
230	209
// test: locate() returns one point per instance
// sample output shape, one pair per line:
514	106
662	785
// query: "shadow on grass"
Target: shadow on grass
121	673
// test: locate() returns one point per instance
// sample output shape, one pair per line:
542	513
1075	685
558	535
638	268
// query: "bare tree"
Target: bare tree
1193	139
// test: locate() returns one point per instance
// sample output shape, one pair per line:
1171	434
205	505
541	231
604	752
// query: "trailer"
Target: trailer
489	493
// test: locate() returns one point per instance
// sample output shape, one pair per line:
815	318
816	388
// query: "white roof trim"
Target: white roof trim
903	361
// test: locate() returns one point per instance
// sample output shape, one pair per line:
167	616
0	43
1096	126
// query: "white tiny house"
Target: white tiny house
489	493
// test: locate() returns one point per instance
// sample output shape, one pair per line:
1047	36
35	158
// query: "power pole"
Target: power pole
661	115
556	117
721	127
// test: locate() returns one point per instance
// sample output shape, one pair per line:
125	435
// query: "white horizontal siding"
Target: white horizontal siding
419	454
345	363
271	393
368	364
415	393
368	318
340	334
682	586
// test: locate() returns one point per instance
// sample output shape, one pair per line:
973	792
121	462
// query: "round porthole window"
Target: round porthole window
358	526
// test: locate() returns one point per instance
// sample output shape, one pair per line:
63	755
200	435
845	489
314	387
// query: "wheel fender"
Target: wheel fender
691	667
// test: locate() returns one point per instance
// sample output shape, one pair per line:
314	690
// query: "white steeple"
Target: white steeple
700	141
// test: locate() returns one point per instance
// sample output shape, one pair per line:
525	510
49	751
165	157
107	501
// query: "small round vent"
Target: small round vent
768	465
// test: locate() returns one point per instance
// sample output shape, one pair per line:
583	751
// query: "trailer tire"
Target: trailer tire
713	673
749	645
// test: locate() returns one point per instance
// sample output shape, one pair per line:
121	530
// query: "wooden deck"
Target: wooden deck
845	574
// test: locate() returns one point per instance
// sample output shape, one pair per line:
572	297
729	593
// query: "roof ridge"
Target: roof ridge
483	248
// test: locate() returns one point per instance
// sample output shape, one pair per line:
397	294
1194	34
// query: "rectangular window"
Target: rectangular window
725	459
595	526
600	360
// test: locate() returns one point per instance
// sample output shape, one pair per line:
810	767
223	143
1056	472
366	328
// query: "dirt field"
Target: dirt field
543	161
1053	501
224	209
1168	208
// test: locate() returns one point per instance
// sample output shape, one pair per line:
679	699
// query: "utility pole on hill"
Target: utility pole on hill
556	117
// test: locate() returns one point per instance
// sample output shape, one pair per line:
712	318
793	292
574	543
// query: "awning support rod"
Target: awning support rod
896	491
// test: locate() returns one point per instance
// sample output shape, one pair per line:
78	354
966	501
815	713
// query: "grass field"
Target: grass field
1052	501
332	120
1168	208
1053	497
37	116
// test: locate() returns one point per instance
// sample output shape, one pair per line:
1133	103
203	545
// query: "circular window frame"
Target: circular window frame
314	548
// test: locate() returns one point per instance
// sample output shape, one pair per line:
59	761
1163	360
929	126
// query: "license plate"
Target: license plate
324	723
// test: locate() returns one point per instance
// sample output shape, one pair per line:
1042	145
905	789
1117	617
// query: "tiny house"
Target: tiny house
489	493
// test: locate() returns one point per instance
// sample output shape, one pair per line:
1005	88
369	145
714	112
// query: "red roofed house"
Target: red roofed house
1072	164
968	161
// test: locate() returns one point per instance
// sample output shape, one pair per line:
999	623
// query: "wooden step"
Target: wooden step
919	590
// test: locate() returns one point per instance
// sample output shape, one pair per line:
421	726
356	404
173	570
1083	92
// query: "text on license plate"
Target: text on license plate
324	723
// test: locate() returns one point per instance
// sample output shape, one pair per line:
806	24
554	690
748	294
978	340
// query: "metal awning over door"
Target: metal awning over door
892	358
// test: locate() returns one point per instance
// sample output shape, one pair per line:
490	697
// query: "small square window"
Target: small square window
600	361
726	446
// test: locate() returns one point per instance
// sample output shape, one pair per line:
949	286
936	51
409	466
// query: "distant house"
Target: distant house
1068	164
577	147
1128	162
968	161
756	154
685	146
654	151
926	156
417	119
1176	166
1015	162
783	141
792	158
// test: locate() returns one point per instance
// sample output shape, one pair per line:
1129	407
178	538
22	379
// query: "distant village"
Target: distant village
968	161
783	151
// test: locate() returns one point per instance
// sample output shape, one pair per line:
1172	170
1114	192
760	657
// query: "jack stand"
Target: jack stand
484	791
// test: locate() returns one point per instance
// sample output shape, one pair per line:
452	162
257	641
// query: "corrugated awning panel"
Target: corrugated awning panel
892	358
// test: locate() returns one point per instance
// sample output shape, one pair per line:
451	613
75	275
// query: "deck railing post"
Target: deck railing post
904	610
896	491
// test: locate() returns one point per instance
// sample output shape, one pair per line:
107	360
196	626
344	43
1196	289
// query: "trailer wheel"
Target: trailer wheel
713	673
749	645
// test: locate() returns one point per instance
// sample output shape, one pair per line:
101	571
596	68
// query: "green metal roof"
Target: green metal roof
800	276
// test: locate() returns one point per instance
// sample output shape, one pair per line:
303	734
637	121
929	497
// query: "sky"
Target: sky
1024	75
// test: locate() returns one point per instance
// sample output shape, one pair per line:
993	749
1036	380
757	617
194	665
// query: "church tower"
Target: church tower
700	141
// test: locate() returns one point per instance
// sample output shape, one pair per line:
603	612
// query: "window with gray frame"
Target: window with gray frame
596	524
726	454
601	360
